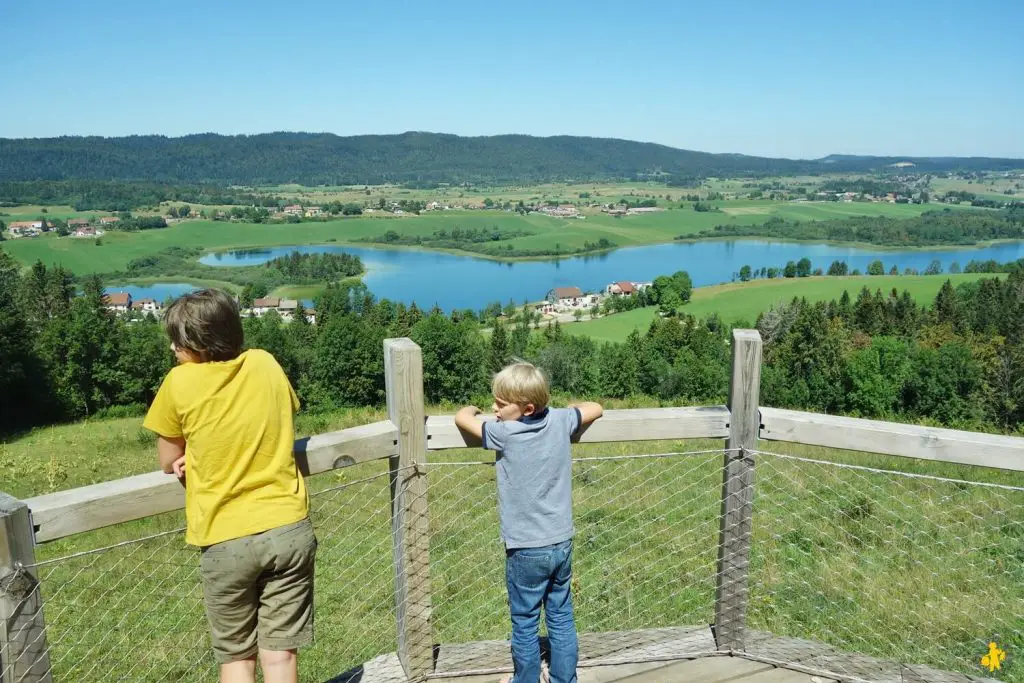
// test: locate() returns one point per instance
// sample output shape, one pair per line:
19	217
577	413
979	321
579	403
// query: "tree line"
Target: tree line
328	267
415	157
958	362
100	194
947	226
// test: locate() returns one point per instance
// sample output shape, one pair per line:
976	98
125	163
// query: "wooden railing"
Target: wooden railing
407	437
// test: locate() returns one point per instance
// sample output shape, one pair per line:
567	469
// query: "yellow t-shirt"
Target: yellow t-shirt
236	419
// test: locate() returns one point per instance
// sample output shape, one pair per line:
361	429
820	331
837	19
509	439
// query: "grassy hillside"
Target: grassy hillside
118	248
743	301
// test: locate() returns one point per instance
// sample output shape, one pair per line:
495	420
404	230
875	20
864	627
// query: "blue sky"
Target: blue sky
787	78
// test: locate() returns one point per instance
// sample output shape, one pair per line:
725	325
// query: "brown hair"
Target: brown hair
522	383
206	323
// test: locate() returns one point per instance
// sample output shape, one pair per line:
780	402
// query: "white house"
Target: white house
567	299
293	210
261	307
147	306
287	308
119	303
624	288
562	211
26	228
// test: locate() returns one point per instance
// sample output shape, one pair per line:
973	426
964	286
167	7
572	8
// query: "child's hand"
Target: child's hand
466	420
178	467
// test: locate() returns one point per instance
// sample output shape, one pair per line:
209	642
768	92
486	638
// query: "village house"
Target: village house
567	299
313	211
25	228
561	211
624	288
107	220
147	306
261	307
311	316
286	307
87	231
77	222
119	303
293	210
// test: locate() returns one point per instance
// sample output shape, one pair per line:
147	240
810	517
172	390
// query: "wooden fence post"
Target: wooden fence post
23	654
410	527
738	491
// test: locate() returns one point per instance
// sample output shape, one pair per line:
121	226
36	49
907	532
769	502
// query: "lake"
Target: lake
454	281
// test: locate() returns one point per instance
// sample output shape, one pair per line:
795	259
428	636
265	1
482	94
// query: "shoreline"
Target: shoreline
382	246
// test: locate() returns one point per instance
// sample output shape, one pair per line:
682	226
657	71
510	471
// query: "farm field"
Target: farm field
118	248
994	187
743	301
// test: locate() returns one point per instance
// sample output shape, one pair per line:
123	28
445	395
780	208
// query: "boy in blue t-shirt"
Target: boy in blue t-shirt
534	472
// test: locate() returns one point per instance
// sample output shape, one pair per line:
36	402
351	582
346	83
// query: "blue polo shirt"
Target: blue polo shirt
534	472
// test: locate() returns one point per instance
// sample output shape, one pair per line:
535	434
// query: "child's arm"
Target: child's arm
171	454
589	411
466	420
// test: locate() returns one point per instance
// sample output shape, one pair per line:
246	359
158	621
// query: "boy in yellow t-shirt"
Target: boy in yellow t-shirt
224	417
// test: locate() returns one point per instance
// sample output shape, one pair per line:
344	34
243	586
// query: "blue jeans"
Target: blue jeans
535	576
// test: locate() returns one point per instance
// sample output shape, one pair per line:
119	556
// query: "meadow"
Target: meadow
861	560
744	301
117	249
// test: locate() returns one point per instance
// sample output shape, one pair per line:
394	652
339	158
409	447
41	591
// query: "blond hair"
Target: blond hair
206	323
522	383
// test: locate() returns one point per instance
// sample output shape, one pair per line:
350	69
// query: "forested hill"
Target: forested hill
323	158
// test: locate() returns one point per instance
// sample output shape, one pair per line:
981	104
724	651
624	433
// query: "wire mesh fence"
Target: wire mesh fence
644	553
133	610
862	572
866	571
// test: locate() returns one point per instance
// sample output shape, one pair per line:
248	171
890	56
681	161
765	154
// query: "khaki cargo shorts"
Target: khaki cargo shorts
258	591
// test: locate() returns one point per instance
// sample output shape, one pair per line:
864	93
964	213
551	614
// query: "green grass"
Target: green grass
885	565
298	291
118	248
744	301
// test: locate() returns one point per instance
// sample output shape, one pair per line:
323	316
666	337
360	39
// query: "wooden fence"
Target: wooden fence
406	439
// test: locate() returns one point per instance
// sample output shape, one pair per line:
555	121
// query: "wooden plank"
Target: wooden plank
74	511
783	675
891	438
604	648
705	670
86	508
645	424
334	450
817	658
23	652
410	527
613	647
738	492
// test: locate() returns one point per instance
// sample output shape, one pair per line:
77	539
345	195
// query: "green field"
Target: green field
118	248
744	301
901	563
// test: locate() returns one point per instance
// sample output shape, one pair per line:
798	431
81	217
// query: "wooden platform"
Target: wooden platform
671	654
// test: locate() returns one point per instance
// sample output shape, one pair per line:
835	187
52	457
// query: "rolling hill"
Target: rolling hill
413	157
